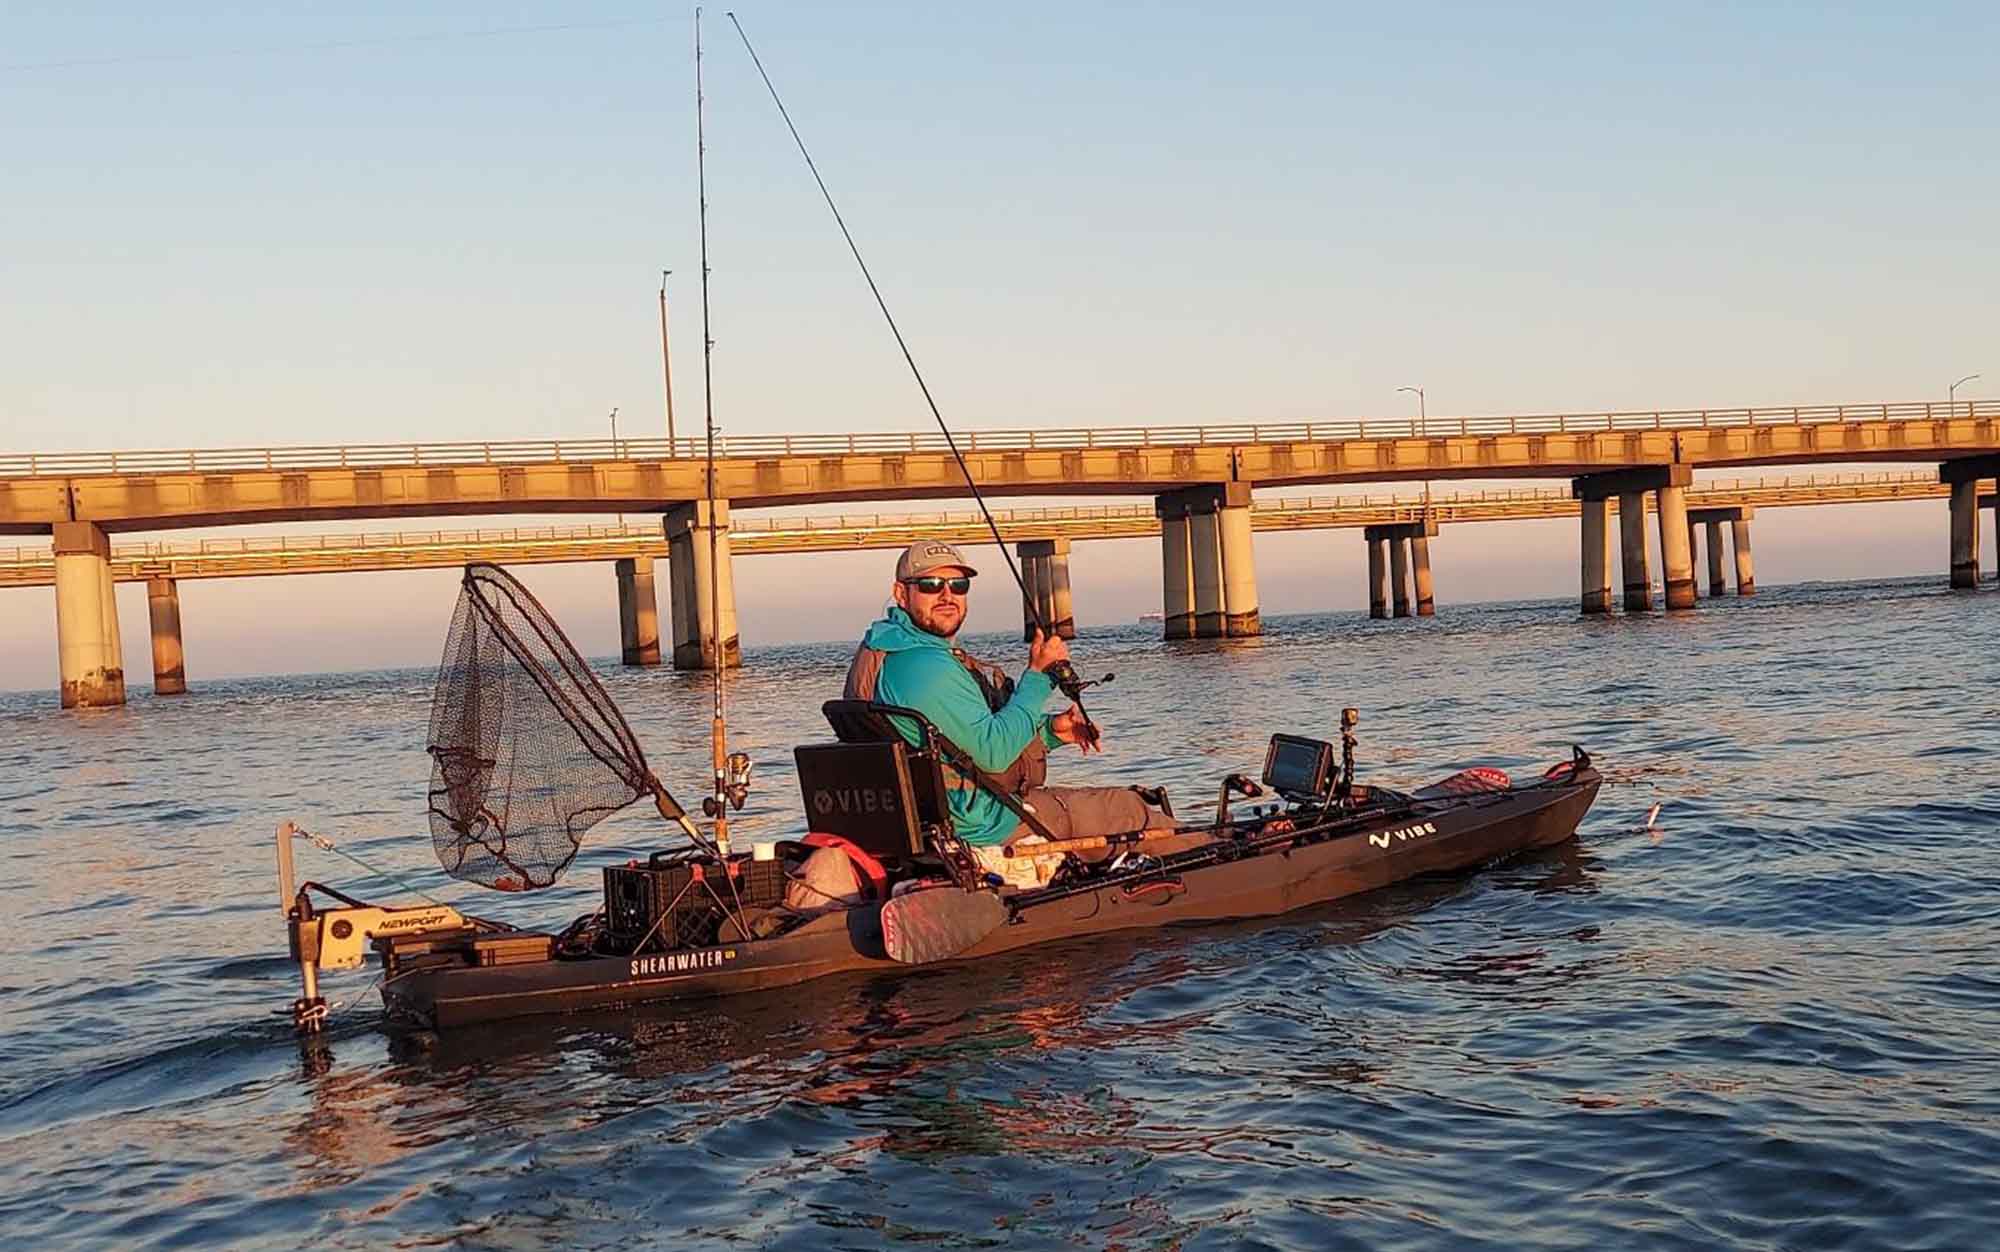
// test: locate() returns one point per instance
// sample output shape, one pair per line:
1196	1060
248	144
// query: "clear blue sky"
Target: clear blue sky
448	223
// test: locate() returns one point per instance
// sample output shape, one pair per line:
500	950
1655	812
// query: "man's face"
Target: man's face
940	611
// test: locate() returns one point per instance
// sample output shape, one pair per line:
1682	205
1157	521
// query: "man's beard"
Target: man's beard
929	625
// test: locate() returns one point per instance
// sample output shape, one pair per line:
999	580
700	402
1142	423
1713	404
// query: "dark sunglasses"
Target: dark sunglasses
931	584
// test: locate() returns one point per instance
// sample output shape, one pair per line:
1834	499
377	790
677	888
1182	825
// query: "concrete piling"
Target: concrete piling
1668	483
1963	474
1965	534
638	611
1045	571
1378	577
90	657
163	610
1420	566
1716	584
1739	540
1205	553
1632	559
1993	502
1399	575
1675	533
1241	617
1221	565
1176	567
1596	556
704	623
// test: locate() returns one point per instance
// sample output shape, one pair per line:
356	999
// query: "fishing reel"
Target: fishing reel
732	782
1073	685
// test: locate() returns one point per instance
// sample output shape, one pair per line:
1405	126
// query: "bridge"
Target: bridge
1200	478
262	555
162	490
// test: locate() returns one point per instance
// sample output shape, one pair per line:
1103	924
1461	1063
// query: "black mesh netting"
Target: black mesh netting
527	750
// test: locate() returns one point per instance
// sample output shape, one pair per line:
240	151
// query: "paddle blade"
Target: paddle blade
938	923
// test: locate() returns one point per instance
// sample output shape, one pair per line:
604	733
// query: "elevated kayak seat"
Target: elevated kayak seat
872	788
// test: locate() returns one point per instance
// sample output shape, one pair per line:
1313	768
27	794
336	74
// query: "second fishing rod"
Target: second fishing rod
1063	673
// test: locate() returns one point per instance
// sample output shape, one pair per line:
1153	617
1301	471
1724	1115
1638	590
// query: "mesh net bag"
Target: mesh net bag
527	750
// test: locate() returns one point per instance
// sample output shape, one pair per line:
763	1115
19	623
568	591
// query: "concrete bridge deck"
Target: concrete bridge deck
157	490
27	566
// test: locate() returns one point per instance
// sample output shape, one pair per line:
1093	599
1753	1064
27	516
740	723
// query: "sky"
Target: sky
448	222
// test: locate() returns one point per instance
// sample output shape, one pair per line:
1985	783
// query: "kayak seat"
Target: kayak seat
865	721
872	788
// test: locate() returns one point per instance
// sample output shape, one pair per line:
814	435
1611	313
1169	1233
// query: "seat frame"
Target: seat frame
867	721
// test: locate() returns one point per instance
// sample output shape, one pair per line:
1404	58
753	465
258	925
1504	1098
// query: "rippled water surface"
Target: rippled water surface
1773	1023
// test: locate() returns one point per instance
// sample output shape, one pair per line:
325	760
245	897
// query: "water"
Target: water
1770	1025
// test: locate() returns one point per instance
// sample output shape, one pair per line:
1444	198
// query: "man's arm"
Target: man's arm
931	682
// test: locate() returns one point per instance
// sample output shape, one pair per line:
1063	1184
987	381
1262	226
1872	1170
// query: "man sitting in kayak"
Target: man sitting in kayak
909	658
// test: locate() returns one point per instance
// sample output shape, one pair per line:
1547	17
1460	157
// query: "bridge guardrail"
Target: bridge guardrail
532	451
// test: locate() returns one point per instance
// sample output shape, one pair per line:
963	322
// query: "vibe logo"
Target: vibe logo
1381	839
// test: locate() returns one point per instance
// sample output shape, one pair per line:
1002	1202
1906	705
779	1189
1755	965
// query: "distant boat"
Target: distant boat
1152	617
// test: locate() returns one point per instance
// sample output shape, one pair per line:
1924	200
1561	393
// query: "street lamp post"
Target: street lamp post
614	452
1951	395
1423	432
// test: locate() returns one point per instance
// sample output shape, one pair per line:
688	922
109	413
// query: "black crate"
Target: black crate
665	907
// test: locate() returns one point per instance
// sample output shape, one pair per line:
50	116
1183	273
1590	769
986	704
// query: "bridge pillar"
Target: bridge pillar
1420	565
1716	584
1045	571
1694	558
1378	577
638	611
1222	577
1674	555
1596	556
701	617
1205	552
1964	473
1965	534
1399	575
1738	516
1239	562
1408	553
1632	561
1176	567
1739	540
1993	502
163	609
1631	486
89	655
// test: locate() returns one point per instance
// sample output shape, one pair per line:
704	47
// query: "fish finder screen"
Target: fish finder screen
1298	766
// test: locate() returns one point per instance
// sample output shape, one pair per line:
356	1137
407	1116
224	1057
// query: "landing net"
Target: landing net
528	752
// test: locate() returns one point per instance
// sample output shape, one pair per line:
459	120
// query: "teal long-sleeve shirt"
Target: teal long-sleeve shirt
920	672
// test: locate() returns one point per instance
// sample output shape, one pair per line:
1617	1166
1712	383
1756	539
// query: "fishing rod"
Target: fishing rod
1063	673
716	806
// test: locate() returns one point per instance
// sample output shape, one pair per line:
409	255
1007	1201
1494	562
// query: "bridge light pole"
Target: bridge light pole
1951	396
614	452
1423	432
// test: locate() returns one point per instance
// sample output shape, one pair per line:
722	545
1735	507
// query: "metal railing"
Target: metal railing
537	451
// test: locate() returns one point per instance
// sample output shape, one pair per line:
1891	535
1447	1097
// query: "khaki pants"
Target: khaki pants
1078	813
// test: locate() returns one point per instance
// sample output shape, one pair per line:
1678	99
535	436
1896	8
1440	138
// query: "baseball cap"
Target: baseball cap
926	555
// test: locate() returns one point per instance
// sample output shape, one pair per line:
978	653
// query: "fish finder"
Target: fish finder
1299	768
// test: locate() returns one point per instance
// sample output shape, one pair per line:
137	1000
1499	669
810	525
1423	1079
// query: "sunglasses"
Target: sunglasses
931	584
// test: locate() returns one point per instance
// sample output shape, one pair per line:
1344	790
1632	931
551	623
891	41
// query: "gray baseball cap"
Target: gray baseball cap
926	555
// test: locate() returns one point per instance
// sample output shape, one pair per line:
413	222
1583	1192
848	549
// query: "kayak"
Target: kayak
1272	862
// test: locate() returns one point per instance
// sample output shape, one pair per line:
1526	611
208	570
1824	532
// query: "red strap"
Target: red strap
867	866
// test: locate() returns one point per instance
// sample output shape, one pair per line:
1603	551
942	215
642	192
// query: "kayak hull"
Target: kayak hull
1428	837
